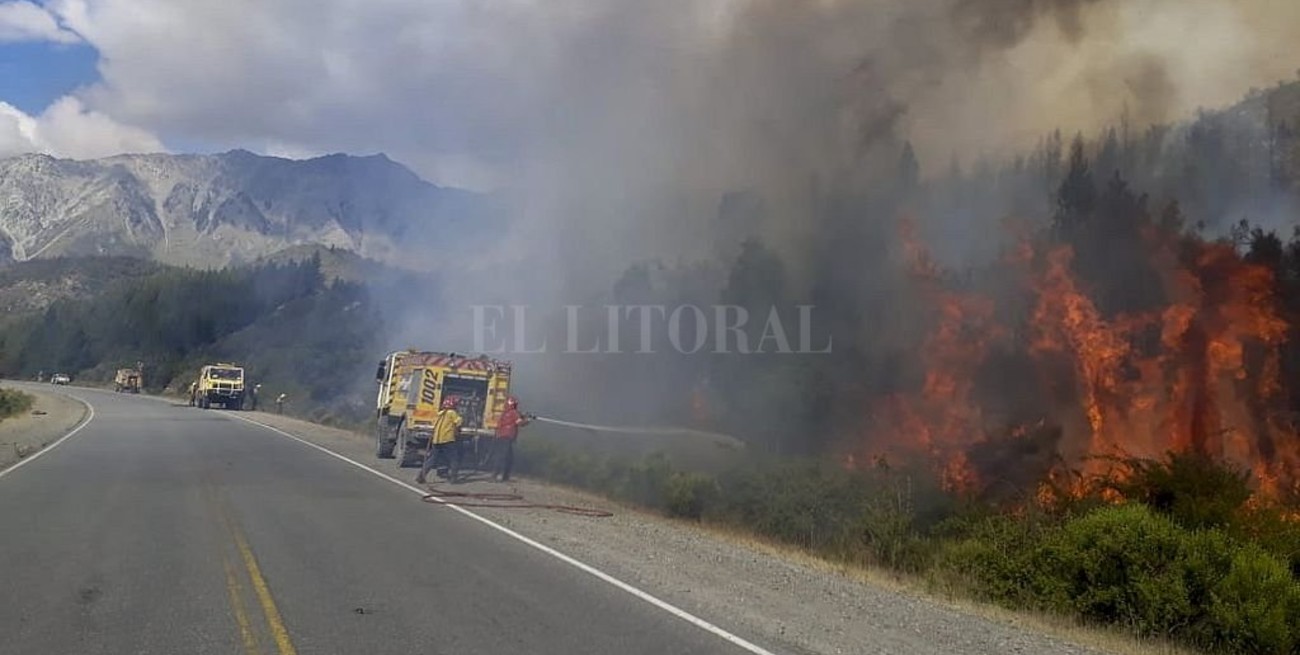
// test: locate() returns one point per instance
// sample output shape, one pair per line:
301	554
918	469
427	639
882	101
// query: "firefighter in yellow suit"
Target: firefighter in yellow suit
444	448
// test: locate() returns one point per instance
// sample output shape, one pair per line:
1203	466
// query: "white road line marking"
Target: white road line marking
586	568
34	456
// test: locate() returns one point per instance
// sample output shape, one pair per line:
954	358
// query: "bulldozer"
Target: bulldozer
412	385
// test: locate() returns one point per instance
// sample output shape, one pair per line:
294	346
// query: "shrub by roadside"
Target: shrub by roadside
1127	565
1186	559
14	402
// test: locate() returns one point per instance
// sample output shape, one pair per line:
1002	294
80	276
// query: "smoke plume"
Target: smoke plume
641	120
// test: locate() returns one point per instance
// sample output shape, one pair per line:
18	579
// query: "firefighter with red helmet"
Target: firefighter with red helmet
444	446
507	431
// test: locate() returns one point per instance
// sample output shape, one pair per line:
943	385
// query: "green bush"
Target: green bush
1117	565
887	526
1131	566
993	560
14	402
689	493
1194	490
1275	529
644	481
802	504
1254	608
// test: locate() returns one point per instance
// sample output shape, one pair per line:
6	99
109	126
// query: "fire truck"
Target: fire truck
219	384
412	385
128	380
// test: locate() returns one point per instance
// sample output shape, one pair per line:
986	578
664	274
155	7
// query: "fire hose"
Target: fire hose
634	430
504	501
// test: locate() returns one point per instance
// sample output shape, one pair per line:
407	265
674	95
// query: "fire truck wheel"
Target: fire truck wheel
405	458
383	445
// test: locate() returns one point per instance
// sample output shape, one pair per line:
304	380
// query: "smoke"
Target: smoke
636	120
640	115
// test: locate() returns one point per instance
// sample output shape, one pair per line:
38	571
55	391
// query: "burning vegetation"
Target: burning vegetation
1124	338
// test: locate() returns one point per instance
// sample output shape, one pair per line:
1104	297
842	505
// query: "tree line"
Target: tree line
285	322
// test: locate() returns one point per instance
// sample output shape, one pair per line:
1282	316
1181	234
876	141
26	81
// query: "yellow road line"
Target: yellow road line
249	640
273	620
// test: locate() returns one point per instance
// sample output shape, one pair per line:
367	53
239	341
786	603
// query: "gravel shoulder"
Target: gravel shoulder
792	602
52	416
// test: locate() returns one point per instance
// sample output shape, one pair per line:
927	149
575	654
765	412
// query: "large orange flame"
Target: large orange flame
942	419
1201	374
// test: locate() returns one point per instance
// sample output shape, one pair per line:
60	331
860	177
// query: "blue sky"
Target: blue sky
32	75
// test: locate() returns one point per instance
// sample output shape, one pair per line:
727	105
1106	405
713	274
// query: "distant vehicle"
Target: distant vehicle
60	378
220	384
128	380
411	388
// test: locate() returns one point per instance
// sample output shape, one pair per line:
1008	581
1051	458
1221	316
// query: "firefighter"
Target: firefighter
253	395
507	431
444	446
194	393
279	403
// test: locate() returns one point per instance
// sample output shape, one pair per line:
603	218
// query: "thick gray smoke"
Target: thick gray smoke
641	115
639	118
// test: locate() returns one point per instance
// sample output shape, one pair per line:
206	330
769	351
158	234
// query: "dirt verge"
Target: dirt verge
51	416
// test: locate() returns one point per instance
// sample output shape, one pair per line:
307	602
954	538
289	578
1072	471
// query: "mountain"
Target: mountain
229	208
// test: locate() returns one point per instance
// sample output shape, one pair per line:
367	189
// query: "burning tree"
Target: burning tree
1140	340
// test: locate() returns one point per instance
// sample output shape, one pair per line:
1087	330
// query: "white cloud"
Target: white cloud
288	150
21	20
68	129
420	80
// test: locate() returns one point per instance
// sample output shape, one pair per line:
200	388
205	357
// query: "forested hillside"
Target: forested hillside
296	331
1221	167
34	285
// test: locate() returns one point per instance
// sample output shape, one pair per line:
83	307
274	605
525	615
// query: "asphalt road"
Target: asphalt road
166	529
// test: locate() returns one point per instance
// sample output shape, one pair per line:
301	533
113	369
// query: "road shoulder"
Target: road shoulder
51	417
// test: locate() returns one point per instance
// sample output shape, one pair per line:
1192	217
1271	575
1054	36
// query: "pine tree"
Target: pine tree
909	170
1076	198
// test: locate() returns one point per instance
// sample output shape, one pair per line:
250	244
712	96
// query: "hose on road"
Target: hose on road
504	501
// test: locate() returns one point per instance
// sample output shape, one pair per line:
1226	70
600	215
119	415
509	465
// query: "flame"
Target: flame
942	418
1200	374
1067	323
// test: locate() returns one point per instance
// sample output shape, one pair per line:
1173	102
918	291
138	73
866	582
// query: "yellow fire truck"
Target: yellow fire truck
220	384
412	385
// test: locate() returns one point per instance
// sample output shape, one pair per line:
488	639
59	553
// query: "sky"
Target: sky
35	74
484	94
